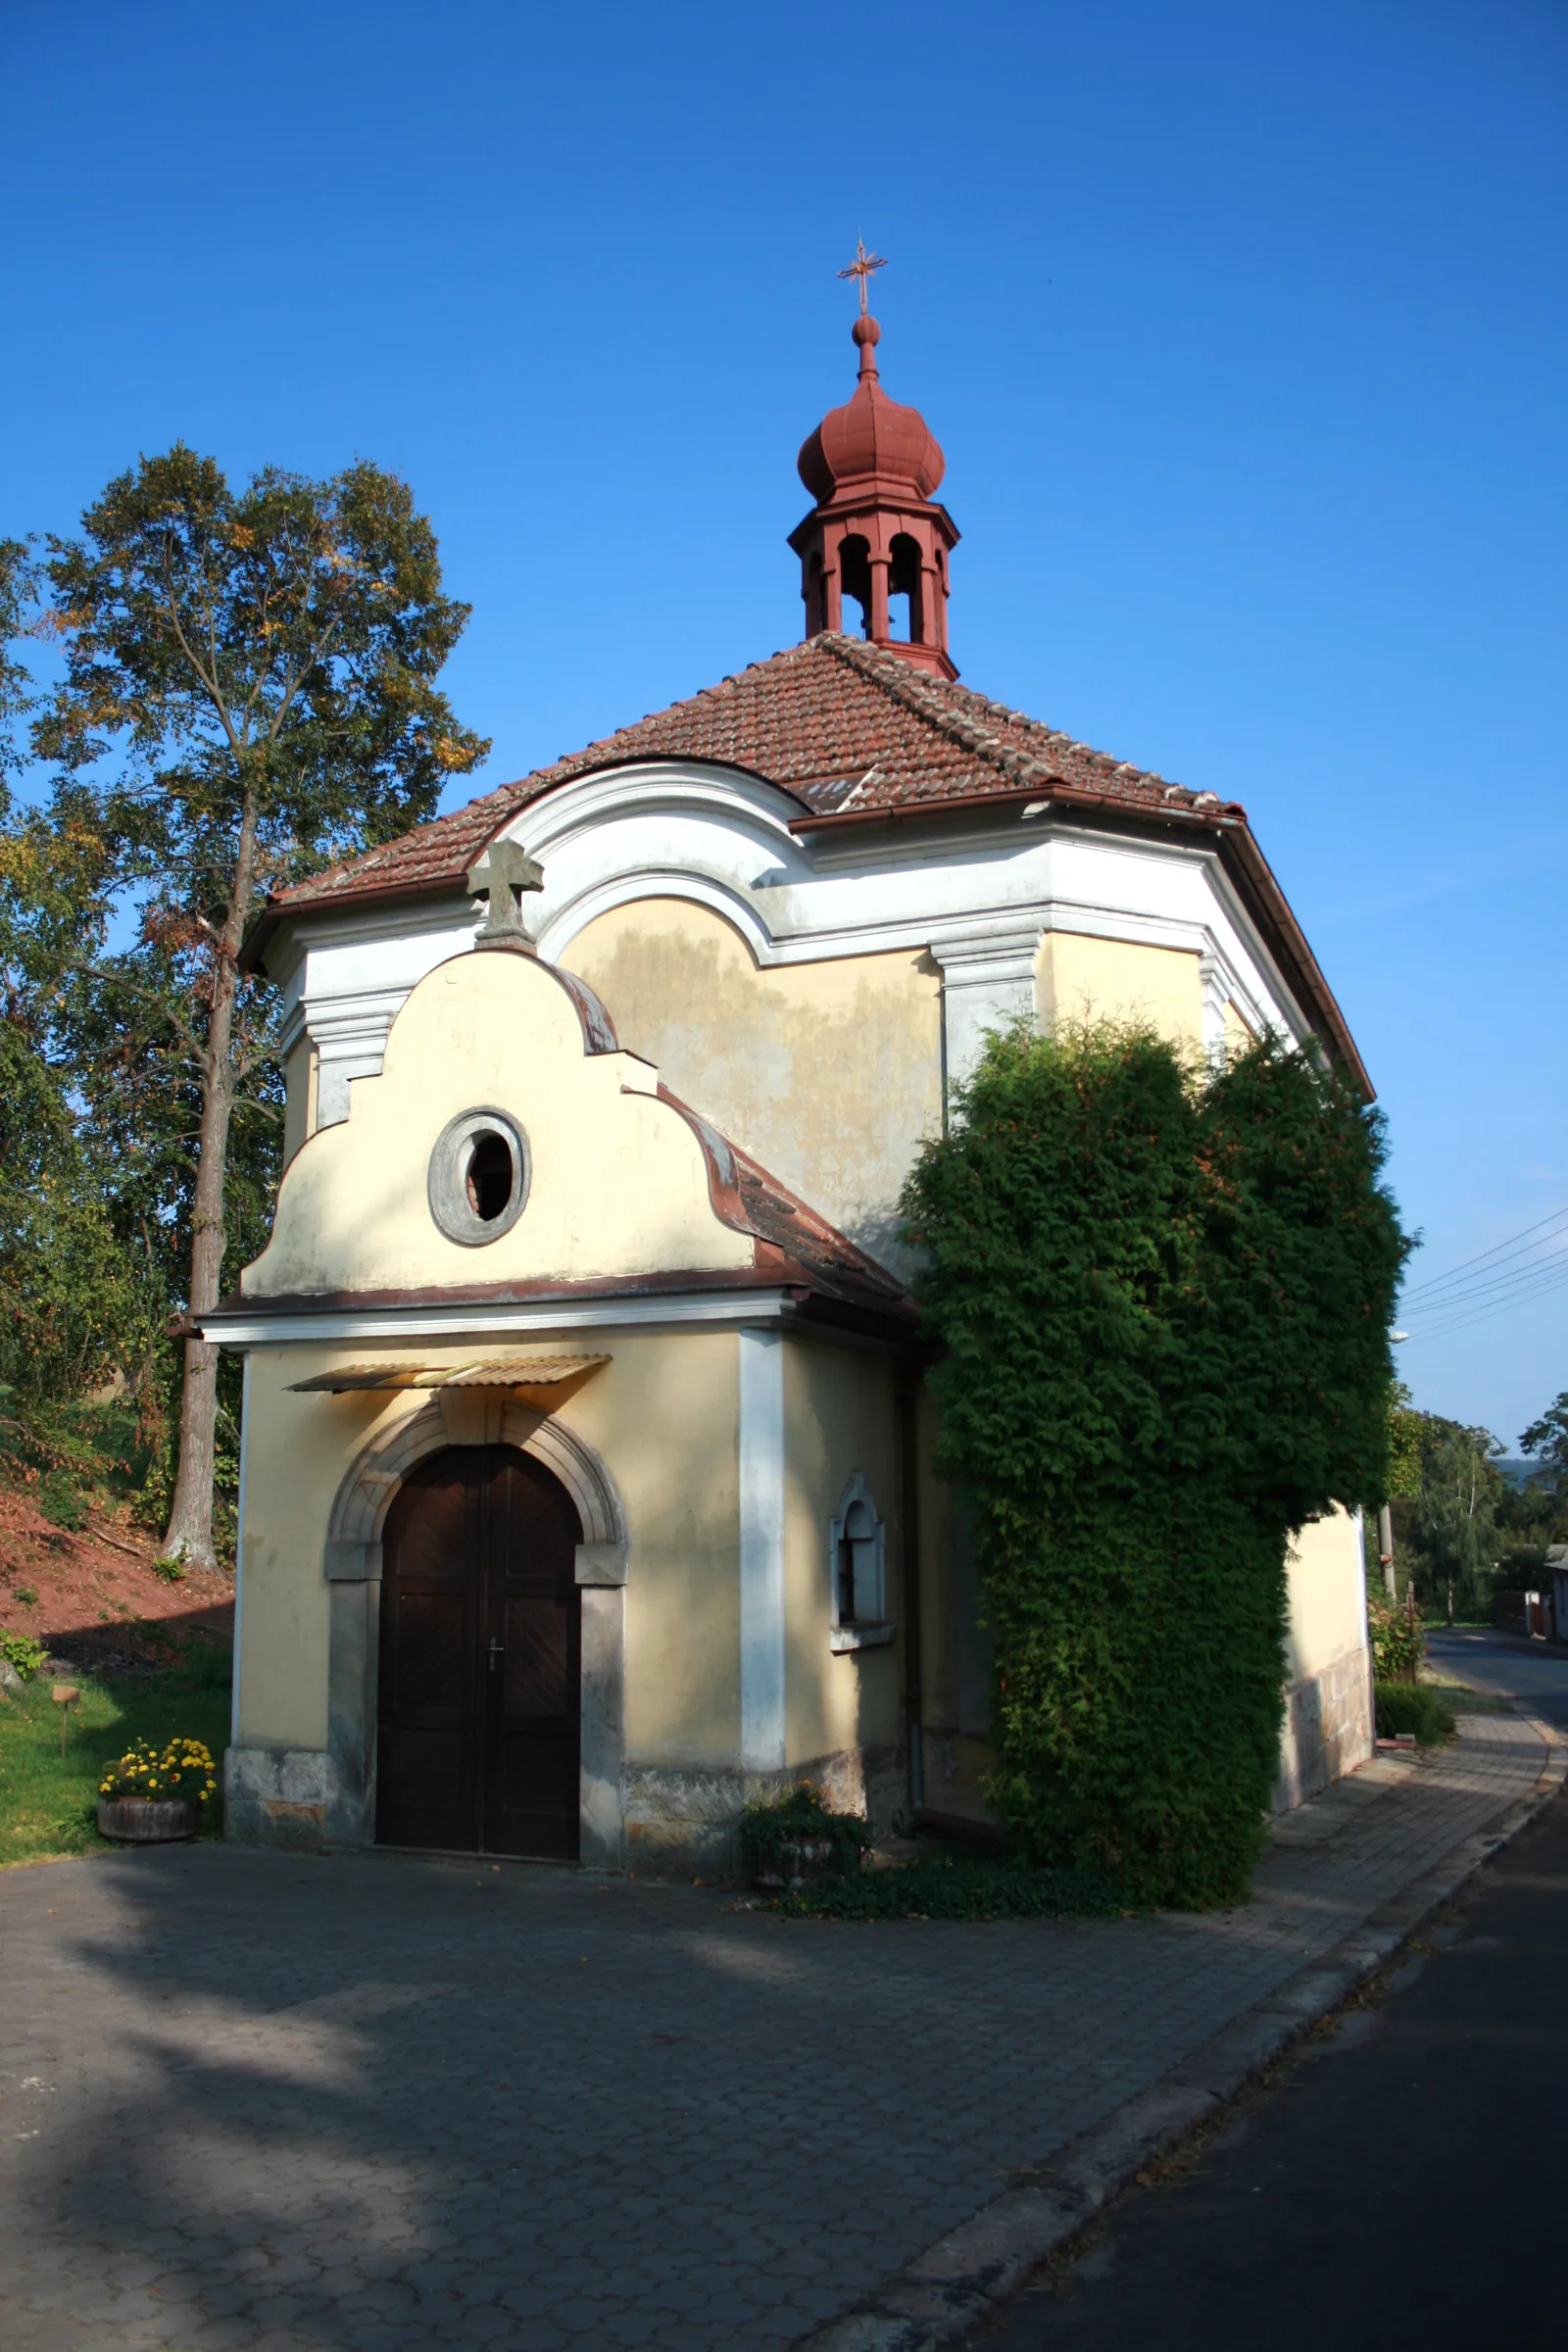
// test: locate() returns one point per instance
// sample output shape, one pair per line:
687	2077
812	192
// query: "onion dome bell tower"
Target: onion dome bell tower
875	538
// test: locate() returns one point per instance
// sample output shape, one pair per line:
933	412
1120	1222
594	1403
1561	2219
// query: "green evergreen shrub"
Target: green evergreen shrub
953	1887
1413	1707
770	1826
1162	1297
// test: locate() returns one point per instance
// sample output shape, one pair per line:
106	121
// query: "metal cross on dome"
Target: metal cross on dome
862	268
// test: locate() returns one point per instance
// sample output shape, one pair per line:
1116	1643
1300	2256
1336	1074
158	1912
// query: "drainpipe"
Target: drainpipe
914	1680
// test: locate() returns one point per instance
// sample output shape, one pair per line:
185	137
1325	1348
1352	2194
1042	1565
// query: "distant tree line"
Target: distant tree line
1463	1526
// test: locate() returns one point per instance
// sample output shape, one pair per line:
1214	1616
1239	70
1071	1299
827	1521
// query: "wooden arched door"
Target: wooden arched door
481	1658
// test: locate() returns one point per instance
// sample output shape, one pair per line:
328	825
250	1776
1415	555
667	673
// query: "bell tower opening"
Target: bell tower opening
855	576
905	584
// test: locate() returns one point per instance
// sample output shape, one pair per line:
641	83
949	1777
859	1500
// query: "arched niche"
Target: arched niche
474	1417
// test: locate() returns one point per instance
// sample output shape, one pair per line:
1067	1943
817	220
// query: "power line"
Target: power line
1498	1249
1488	1285
1441	1330
1550	1218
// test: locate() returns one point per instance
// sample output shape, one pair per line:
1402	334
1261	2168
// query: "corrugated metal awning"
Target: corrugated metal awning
492	1372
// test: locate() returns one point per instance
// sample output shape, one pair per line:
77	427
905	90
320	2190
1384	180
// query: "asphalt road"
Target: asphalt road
1533	1676
1402	2180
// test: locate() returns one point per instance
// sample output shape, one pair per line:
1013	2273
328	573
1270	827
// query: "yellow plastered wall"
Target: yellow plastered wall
1326	1580
662	1415
297	1449
620	1182
831	1073
839	1416
1078	978
1239	1031
664	1418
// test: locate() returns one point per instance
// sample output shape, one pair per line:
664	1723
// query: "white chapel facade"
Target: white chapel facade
587	1483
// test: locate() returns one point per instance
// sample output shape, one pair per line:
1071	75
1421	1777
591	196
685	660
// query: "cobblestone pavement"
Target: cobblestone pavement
259	2104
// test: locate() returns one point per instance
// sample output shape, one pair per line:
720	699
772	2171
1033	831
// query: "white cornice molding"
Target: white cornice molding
319	926
339	1326
978	897
986	952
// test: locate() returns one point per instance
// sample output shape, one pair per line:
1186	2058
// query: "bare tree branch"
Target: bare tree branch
150	996
211	684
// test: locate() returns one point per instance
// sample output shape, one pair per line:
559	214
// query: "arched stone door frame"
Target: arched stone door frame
353	1567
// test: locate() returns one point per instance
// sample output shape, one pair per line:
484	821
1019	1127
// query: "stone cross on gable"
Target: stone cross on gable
501	876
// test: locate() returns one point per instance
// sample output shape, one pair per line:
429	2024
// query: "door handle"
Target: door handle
497	1651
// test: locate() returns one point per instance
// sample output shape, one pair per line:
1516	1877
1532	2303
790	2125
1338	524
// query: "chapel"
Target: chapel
586	1477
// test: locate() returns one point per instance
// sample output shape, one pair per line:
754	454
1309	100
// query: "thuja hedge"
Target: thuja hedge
1162	1297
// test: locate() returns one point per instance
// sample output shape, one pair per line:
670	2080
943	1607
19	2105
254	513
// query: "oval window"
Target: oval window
479	1175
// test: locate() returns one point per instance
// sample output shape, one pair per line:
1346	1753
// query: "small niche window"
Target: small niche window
479	1176
857	1544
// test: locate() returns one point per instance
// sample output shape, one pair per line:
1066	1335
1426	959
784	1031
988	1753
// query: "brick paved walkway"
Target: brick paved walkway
254	2105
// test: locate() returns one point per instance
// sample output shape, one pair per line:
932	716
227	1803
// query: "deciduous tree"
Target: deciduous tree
1548	1439
249	692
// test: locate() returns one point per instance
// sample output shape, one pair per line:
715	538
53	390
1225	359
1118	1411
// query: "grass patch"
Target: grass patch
953	1887
1465	1697
48	1807
1413	1707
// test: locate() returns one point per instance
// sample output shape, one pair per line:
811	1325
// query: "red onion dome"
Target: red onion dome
870	436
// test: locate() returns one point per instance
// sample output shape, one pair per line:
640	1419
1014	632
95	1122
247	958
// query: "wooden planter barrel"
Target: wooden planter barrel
145	1819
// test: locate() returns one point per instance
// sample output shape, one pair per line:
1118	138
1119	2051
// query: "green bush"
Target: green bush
1413	1707
23	1653
942	1886
1162	1299
772	1825
1398	1645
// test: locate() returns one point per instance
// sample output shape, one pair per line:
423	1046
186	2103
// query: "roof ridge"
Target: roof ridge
906	685
922	694
576	762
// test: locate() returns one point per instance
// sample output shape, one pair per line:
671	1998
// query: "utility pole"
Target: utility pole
1386	1515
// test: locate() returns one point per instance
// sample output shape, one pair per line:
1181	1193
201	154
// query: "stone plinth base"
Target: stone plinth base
279	1796
673	1822
683	1823
1327	1730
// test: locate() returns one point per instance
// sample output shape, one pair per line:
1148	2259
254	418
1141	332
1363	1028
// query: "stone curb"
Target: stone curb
942	2295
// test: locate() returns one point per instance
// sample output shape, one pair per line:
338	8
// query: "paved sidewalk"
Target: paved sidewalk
256	2104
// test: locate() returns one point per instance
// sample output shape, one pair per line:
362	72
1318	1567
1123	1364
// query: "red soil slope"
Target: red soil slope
98	1602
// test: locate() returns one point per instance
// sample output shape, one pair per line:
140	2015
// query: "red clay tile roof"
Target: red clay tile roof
855	733
838	722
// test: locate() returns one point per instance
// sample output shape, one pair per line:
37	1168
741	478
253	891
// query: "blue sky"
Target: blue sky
1242	328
